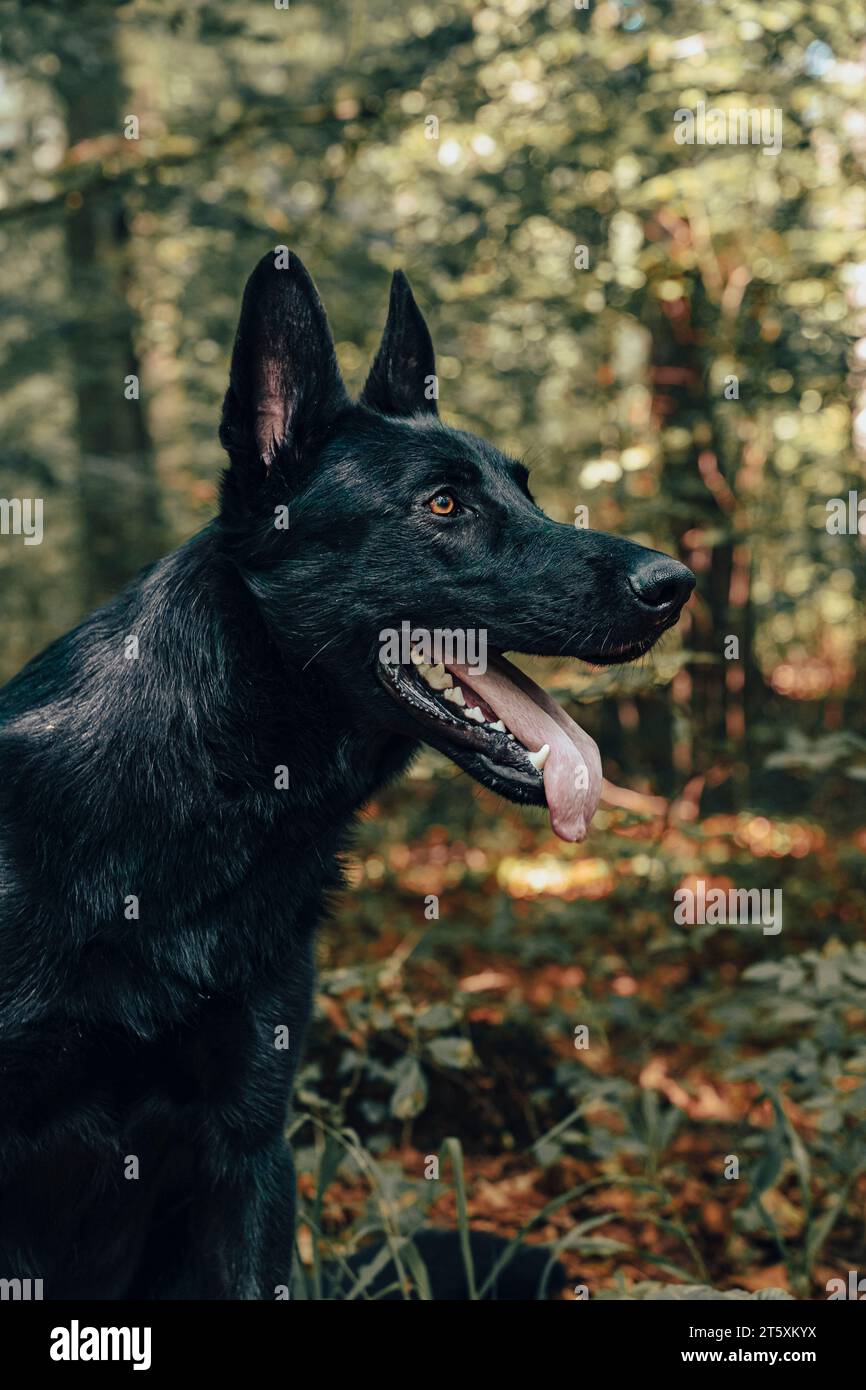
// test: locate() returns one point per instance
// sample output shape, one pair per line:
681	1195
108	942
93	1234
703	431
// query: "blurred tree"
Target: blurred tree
120	502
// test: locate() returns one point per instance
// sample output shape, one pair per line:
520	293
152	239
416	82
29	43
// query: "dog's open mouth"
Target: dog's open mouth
507	732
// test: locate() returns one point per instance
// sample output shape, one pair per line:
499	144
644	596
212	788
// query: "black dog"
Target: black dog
178	776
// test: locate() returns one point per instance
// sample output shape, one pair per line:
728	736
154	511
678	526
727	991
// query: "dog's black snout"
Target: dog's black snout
661	584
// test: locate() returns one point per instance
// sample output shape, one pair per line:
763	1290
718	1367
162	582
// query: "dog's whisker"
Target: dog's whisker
321	649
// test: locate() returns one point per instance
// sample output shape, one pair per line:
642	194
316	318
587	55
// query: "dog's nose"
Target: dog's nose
661	584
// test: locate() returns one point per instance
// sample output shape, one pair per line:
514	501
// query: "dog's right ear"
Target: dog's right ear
285	385
402	378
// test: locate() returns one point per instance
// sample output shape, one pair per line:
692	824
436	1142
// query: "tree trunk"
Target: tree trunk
679	400
121	528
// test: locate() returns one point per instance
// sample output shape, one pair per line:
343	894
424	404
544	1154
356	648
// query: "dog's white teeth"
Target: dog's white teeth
540	758
438	677
455	695
475	713
499	727
417	658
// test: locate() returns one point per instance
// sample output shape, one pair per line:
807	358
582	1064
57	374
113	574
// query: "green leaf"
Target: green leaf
856	970
765	970
410	1093
454	1149
451	1052
436	1018
768	1167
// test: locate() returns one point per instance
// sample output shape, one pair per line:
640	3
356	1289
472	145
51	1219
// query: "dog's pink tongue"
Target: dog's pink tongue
572	773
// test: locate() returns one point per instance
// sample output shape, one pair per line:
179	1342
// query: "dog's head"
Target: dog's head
396	559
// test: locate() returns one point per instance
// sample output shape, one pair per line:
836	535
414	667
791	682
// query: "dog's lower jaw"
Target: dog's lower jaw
504	730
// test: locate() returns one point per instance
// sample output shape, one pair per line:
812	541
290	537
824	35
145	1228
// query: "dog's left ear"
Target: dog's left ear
402	379
285	386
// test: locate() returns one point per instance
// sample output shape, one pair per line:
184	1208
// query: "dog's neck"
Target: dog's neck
278	735
196	751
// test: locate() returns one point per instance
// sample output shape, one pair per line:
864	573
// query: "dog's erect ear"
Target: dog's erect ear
284	386
402	379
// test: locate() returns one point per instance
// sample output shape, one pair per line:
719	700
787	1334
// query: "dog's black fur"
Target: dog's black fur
152	777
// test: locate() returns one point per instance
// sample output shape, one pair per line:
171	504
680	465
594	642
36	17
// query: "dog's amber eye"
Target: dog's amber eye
443	504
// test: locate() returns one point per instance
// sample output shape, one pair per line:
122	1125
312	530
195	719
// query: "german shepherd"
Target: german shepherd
179	775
